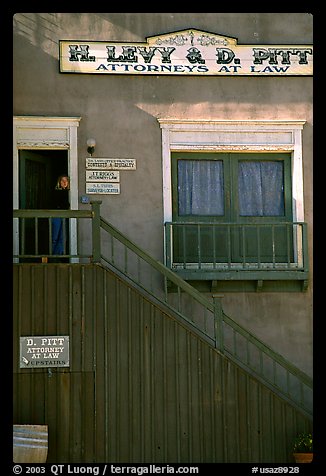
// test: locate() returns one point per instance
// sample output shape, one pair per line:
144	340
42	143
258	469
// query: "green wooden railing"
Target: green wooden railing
202	314
264	250
32	233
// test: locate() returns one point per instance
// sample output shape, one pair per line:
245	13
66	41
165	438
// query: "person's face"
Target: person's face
64	182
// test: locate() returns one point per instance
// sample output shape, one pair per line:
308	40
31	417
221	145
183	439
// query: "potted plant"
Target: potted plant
303	448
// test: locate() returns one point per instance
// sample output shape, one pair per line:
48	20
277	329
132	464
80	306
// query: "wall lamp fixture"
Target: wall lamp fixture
91	143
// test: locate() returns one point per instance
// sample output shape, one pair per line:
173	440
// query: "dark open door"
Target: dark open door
38	173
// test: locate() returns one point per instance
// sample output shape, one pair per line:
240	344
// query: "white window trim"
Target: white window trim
40	132
234	136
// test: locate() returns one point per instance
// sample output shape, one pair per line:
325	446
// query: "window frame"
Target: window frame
226	172
233	136
237	136
230	176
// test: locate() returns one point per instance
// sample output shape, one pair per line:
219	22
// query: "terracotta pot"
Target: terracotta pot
303	457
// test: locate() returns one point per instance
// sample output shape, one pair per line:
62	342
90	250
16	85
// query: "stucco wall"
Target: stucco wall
121	113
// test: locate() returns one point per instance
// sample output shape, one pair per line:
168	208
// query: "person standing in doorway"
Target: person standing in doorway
60	202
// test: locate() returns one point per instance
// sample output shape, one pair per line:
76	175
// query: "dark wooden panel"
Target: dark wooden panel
140	387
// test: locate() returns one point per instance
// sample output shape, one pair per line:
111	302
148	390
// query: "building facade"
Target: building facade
201	155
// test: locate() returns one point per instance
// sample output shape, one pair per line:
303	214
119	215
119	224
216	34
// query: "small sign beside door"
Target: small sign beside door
103	188
102	176
110	164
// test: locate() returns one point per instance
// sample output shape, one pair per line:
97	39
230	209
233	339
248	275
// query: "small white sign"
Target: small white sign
103	188
102	176
110	164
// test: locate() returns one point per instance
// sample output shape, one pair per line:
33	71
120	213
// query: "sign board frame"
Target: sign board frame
44	351
103	163
102	176
103	188
186	52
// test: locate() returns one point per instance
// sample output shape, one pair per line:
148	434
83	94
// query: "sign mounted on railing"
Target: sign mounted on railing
186	52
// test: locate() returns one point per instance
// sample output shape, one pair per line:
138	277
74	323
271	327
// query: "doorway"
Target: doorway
38	173
45	135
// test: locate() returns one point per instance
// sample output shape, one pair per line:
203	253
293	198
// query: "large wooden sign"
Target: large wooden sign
186	52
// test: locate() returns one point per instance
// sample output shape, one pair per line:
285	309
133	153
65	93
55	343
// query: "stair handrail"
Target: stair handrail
221	319
214	307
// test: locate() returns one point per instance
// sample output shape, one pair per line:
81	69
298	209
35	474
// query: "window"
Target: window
261	188
249	193
233	203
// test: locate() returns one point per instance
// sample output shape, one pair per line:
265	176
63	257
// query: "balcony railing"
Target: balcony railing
276	250
33	233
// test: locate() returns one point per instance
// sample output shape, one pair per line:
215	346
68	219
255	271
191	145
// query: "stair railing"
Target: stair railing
204	315
193	309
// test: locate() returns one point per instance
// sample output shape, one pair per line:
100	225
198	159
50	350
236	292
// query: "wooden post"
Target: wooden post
96	231
218	315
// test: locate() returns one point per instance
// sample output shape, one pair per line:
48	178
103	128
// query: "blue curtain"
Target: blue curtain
200	187
261	188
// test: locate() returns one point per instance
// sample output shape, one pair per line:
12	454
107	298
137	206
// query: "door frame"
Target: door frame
36	133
